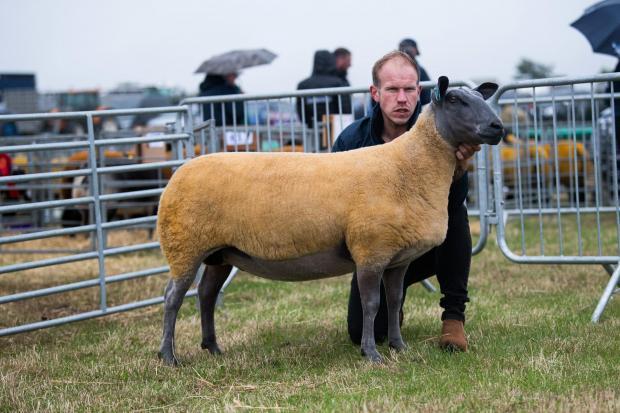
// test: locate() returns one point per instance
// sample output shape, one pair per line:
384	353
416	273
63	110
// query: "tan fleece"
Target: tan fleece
276	206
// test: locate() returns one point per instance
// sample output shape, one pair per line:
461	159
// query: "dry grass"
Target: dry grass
74	302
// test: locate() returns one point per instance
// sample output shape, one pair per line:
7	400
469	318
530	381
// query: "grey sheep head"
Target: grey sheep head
463	116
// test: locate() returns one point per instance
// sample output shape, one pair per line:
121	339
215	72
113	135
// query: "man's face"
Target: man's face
343	63
230	78
398	91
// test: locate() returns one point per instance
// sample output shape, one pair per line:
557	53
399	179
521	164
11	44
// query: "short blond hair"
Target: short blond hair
392	55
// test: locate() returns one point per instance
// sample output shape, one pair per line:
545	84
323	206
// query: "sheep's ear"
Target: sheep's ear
487	89
439	91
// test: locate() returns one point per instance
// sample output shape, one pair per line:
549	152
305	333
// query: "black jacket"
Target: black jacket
324	75
342	74
367	132
216	85
425	96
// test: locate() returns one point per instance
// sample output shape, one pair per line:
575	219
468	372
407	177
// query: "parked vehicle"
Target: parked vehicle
128	96
77	101
18	94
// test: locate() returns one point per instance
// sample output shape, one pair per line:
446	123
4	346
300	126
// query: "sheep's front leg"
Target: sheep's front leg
393	282
369	282
173	298
209	287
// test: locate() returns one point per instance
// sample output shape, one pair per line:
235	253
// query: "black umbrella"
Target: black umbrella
600	24
234	61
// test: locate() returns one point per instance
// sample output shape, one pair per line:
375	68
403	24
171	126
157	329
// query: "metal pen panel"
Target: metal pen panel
577	218
561	165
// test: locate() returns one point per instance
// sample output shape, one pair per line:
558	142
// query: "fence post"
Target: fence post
94	187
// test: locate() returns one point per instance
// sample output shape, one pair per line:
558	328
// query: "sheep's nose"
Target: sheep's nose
496	125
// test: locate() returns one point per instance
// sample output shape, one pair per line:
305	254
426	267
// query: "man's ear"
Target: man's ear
439	91
374	93
487	89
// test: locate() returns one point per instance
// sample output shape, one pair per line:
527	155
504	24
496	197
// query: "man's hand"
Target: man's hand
463	153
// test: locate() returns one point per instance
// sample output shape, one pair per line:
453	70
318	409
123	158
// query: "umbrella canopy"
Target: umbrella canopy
234	61
600	24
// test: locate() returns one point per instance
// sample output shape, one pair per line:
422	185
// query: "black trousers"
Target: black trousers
450	262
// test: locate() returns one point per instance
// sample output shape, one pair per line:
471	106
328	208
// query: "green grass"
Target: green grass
532	348
540	235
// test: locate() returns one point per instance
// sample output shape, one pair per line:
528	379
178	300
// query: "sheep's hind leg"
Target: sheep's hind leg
369	282
173	298
393	282
209	287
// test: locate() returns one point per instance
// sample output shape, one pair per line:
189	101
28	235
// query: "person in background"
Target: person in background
410	47
396	92
217	85
615	117
343	63
324	75
616	85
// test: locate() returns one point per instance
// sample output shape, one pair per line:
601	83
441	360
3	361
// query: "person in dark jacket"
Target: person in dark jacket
217	85
615	116
616	85
343	63
396	91
324	75
410	47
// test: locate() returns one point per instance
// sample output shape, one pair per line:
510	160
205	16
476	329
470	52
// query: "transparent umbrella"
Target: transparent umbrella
235	60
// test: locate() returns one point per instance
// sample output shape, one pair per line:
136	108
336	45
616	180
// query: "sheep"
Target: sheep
297	217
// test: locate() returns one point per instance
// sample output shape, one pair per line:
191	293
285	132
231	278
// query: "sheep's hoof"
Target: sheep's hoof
398	345
168	358
212	347
373	356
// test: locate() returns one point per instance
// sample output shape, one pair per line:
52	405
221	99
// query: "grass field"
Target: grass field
532	347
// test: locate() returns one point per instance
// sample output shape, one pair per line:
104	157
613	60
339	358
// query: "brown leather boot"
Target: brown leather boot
453	336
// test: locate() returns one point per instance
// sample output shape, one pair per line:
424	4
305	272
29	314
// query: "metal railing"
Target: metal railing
556	177
94	168
500	188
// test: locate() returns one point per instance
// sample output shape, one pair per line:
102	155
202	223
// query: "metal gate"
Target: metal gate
42	185
556	175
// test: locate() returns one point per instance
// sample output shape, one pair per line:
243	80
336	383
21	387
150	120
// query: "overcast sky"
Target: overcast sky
86	44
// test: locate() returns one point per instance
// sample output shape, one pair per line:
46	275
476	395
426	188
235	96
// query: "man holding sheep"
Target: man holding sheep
396	92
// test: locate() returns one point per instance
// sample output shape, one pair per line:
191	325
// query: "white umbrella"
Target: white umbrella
234	61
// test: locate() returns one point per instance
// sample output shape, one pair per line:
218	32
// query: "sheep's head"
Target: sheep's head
463	116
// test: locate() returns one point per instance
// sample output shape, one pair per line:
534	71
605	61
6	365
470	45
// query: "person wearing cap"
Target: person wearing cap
410	47
396	92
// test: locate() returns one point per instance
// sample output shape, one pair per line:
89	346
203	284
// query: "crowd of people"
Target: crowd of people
329	70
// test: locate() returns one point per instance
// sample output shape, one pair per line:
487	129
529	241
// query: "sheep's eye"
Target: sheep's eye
452	99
